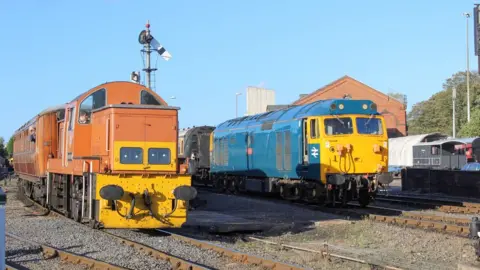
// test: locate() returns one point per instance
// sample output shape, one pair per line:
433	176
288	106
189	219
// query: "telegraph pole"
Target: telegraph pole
467	16
476	32
454	97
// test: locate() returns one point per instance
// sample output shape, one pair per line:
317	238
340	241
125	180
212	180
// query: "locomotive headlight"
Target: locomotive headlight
341	106
364	106
327	144
111	192
185	193
385	144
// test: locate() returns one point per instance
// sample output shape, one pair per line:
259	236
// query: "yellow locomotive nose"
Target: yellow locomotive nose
380	168
340	149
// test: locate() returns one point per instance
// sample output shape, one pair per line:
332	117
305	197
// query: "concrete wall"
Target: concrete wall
258	99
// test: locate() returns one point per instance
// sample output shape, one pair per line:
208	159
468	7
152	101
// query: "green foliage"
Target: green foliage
10	147
435	114
471	129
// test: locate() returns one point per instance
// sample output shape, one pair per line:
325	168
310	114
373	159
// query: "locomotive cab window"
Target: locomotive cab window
372	126
158	156
96	100
313	128
338	126
131	155
148	99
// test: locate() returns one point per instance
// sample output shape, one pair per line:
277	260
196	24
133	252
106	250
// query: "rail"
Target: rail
52	252
177	262
235	255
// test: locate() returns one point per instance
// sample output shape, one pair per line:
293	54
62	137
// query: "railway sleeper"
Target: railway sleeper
464	231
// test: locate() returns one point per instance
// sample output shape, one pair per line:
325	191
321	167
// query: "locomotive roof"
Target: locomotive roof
47	110
183	132
100	86
321	107
445	141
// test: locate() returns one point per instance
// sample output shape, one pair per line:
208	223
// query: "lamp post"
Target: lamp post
454	97
467	16
236	104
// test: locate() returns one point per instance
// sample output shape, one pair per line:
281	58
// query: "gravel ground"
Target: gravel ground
73	237
378	243
178	248
30	256
374	242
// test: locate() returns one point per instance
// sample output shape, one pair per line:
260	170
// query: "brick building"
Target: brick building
393	110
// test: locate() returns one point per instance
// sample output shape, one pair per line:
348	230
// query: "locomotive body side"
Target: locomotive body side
34	143
116	164
305	152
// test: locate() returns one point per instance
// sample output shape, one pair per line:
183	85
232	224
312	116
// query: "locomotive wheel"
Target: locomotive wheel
363	197
363	194
344	197
232	186
329	197
218	184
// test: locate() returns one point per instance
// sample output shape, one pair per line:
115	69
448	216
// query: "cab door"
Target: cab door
69	128
311	148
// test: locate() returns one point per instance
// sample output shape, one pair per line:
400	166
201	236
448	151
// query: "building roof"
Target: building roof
340	81
400	149
320	107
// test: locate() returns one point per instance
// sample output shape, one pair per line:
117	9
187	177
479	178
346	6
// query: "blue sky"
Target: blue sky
53	50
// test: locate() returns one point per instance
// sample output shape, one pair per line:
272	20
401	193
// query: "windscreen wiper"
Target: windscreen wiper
370	118
338	118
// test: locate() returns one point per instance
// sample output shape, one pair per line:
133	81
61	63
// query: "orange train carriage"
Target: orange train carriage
108	157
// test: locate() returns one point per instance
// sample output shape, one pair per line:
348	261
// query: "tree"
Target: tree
435	114
10	147
471	129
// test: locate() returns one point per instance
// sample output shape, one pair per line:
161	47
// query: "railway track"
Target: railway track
424	202
49	252
235	255
178	262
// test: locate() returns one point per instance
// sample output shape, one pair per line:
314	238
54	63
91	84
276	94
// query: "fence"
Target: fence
450	182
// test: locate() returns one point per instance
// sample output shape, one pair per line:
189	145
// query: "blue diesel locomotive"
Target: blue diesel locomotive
327	151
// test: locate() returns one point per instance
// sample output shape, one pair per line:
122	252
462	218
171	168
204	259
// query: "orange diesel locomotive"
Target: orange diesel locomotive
108	157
